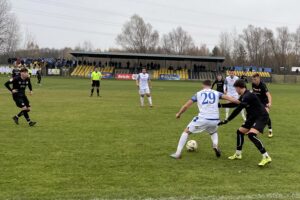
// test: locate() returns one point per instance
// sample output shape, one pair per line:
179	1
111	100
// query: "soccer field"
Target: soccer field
111	148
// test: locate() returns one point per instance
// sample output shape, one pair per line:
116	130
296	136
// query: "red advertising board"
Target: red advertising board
125	76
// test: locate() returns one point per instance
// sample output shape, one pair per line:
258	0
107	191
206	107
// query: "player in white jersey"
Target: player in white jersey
144	84
207	119
229	90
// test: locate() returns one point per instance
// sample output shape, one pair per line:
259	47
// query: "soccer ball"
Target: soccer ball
191	145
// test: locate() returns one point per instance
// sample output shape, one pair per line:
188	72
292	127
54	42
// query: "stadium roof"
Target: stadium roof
148	56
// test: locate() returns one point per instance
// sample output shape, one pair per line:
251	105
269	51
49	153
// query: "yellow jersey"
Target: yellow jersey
96	76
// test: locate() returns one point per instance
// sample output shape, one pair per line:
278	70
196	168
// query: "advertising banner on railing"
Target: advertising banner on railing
107	75
54	72
169	77
126	76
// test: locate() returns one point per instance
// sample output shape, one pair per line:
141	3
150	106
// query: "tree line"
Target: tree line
253	46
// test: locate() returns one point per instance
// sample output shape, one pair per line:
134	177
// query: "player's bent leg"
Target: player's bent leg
227	113
26	110
16	117
215	140
243	114
183	139
239	143
252	135
270	135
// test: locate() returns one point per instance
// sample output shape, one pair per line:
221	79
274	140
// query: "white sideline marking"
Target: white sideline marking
269	196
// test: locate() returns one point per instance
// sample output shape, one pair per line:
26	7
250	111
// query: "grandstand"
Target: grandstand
184	72
164	67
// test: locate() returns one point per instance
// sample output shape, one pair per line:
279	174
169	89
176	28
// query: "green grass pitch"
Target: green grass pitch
111	148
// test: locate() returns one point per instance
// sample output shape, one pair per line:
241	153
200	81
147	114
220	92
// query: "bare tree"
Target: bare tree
87	46
9	37
225	46
281	46
137	36
296	47
30	42
254	39
239	54
216	51
284	44
202	50
13	36
178	41
225	43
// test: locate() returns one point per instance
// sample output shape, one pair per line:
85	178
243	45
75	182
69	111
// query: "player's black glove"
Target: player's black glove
223	122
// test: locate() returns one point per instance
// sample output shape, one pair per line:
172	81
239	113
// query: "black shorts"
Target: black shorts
96	84
21	100
258	123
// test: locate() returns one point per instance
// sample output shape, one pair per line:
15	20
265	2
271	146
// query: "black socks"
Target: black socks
239	140
257	142
20	114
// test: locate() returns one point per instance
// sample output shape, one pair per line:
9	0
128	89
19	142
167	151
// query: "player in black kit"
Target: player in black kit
257	118
261	90
244	77
39	76
15	72
18	93
220	84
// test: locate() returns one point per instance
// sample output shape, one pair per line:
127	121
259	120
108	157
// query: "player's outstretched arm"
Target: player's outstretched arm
234	102
234	113
188	104
231	99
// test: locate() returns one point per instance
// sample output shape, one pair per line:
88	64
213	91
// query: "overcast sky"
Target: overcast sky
61	23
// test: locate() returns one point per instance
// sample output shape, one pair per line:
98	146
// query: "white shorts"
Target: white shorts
198	125
144	91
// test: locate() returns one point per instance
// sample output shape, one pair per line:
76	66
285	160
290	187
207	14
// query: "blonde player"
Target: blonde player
230	90
207	119
143	82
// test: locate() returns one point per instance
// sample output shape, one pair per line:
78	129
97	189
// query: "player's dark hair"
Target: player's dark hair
240	83
23	69
231	69
255	75
206	83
